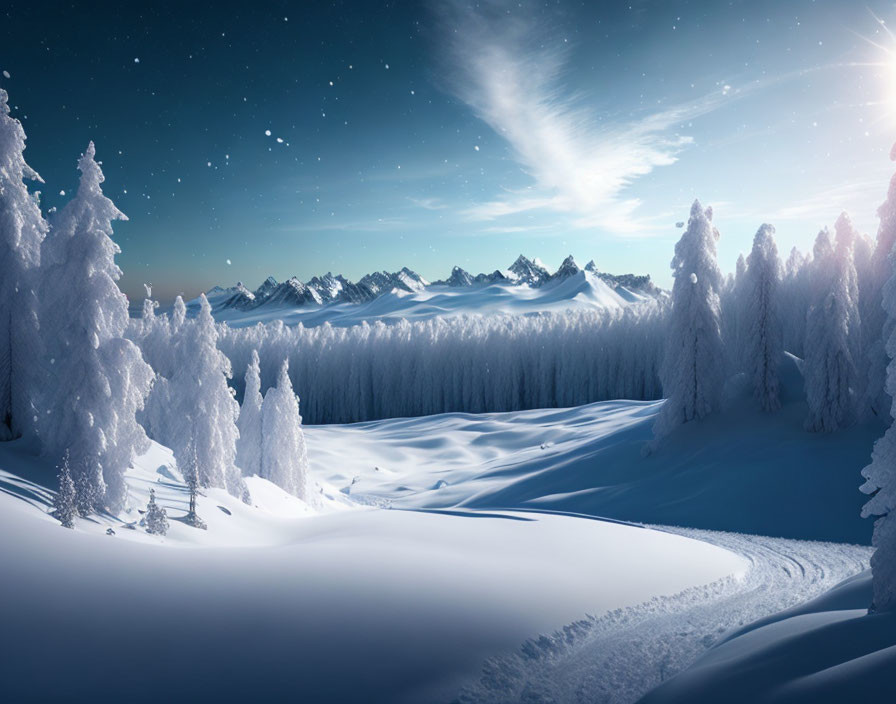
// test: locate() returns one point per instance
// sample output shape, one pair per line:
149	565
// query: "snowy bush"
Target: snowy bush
156	518
64	508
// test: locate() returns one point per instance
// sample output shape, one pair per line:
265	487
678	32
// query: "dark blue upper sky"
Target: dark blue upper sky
247	139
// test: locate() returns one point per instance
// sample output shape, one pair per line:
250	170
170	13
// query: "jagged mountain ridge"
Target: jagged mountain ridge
330	288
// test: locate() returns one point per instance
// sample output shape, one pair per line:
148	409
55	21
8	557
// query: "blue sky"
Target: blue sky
433	134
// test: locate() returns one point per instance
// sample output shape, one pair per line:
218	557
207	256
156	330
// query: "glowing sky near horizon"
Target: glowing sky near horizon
276	138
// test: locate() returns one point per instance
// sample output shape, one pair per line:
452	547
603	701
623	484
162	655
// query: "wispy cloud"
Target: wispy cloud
506	68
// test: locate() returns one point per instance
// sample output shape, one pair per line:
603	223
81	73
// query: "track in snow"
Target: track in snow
620	656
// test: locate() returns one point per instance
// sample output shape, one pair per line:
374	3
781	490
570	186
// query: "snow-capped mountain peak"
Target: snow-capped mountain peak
529	272
567	268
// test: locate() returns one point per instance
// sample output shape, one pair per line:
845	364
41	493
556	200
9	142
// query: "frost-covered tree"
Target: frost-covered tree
880	482
762	325
828	368
156	518
64	508
795	301
846	236
876	324
693	370
248	446
202	412
284	459
22	230
191	477
96	379
731	297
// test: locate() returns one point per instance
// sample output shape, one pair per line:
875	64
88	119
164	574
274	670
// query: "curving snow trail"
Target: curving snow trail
620	656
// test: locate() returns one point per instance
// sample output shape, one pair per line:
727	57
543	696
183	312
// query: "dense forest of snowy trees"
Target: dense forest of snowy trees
471	364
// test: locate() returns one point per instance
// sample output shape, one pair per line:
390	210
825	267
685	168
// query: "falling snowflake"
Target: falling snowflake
279	140
228	262
476	147
267	133
136	60
62	193
6	74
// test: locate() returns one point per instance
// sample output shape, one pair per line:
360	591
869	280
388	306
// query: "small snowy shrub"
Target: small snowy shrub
64	508
156	518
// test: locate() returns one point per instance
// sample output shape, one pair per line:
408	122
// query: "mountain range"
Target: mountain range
329	288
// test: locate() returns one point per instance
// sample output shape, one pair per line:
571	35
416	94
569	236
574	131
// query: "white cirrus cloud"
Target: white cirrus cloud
510	71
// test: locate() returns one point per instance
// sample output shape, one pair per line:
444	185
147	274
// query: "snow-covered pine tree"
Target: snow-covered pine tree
156	518
762	325
794	301
828	368
845	237
191	477
284	459
876	324
64	508
22	229
693	369
97	380
202	411
880	480
248	446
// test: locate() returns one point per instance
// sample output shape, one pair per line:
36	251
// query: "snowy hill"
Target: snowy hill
402	605
525	287
490	540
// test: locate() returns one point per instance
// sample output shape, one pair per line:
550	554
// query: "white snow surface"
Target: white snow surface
432	554
276	598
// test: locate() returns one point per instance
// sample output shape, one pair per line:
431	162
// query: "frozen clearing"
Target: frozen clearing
403	606
491	540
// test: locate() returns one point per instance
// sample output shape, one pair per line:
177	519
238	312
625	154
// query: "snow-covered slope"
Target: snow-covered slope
274	601
741	471
434	547
827	651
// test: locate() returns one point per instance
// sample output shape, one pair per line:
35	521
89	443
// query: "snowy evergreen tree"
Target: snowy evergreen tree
876	324
64	508
284	459
846	236
248	446
828	369
693	370
762	326
880	482
22	230
156	518
96	380
191	477
202	412
795	301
